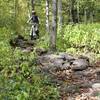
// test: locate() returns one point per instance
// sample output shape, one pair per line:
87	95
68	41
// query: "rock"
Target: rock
56	82
40	51
45	70
95	91
83	57
79	64
96	86
70	89
69	98
97	64
58	63
43	59
65	66
28	49
86	96
98	73
21	42
53	57
66	56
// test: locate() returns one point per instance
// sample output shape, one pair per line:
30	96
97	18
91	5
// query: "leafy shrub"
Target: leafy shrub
19	77
78	36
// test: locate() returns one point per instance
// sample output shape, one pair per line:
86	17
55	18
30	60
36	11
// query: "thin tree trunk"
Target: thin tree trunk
29	10
85	16
47	15
60	12
70	11
53	34
91	16
16	16
32	3
78	16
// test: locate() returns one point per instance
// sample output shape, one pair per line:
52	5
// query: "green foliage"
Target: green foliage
19	77
78	36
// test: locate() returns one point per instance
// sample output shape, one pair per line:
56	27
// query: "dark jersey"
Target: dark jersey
35	19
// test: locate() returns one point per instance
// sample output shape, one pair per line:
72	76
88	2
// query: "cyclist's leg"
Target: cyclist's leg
37	30
32	29
37	26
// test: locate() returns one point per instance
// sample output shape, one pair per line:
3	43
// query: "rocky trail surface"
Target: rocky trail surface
77	78
24	44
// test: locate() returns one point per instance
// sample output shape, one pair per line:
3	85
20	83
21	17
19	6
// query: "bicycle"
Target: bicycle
34	31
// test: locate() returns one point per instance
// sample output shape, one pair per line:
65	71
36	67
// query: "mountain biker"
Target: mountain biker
35	25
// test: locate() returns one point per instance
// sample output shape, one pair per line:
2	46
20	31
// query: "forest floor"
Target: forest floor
76	77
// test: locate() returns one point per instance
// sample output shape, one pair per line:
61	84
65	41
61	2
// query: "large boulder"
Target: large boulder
66	56
79	64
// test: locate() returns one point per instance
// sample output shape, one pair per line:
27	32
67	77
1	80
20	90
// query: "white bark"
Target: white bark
47	15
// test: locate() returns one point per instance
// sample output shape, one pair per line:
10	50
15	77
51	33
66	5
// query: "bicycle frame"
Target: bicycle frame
34	29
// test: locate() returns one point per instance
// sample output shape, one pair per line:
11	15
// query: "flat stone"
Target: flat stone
66	56
98	73
97	64
70	98
95	91
96	86
66	65
58	62
79	64
40	51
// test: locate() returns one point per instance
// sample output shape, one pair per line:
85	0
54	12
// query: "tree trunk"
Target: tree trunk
53	34
29	8
16	17
60	12
73	11
70	11
78	16
32	3
47	15
85	15
91	16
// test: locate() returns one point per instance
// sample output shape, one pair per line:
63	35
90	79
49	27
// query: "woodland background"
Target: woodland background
76	26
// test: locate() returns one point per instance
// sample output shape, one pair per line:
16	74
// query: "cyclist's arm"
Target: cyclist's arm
38	20
29	19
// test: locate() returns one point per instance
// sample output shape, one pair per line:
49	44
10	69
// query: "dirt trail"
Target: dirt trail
24	44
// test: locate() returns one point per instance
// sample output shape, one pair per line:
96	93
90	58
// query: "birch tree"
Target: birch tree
47	15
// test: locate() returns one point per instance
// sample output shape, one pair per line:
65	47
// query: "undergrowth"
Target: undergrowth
80	39
19	76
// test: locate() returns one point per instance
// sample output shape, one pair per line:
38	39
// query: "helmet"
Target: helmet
33	12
